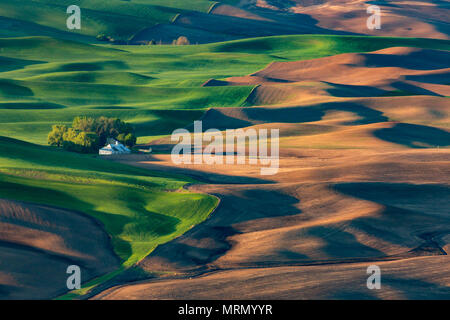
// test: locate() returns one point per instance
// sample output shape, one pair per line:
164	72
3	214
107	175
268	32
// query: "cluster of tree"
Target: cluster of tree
88	134
151	42
181	41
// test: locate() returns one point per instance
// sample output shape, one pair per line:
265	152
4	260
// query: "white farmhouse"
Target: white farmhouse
113	147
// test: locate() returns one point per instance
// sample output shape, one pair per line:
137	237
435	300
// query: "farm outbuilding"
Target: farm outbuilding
114	147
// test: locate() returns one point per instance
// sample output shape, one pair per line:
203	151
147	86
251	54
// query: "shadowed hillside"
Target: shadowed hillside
48	240
363	173
204	21
363	180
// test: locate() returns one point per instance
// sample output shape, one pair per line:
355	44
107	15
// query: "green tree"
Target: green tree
181	41
87	142
80	141
69	138
56	136
102	37
111	128
88	134
86	124
127	139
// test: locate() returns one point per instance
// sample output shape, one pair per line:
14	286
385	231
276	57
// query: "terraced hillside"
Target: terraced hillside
364	137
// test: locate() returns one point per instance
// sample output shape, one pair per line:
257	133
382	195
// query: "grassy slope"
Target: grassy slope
136	206
116	18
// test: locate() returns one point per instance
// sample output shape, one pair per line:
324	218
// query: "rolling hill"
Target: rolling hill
364	150
205	21
157	88
126	213
363	180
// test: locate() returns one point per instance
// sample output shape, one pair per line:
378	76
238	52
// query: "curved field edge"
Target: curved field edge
86	291
137	208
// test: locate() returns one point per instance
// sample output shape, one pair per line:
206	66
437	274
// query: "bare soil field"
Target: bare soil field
363	180
418	278
423	19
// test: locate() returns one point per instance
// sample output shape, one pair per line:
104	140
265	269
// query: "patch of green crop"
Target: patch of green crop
137	207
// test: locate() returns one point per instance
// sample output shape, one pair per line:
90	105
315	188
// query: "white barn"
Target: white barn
114	147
